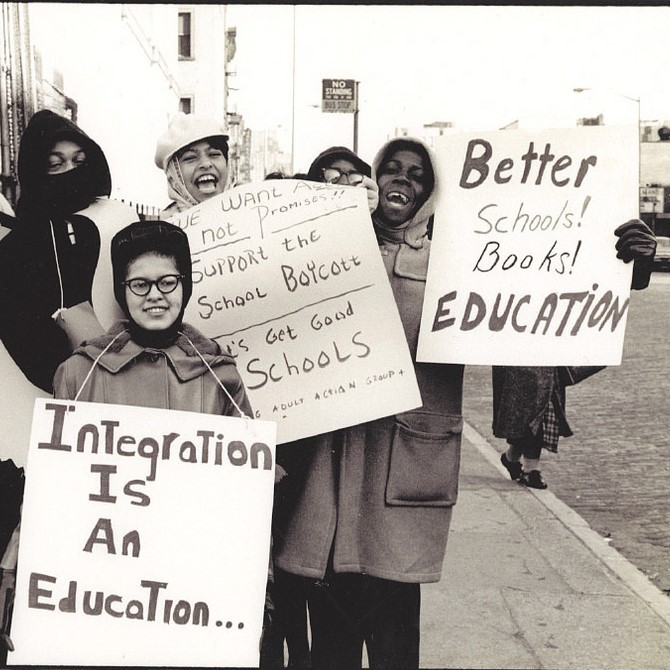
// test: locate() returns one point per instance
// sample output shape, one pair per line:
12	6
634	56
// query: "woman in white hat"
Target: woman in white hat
193	153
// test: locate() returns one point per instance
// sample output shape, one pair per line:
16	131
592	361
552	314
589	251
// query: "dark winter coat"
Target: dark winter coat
43	264
379	495
170	378
521	396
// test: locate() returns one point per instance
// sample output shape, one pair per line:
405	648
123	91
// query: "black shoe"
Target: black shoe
533	480
513	467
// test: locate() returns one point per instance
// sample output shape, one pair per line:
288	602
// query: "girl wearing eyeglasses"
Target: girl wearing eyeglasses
152	358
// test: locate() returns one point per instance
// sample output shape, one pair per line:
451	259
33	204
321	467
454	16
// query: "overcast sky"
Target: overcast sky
478	67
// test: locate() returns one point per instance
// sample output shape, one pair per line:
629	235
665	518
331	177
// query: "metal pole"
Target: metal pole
225	66
293	101
638	119
356	117
639	150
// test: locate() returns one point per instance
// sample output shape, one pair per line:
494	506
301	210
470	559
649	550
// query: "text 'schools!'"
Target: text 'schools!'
145	538
523	267
287	277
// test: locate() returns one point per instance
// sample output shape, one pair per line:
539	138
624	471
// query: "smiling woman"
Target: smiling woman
193	152
204	168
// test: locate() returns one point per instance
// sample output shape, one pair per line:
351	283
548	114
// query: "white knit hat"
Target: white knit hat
184	129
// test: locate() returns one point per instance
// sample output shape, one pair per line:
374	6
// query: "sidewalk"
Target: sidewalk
528	584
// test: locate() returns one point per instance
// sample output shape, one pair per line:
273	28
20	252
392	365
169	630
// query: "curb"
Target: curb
615	562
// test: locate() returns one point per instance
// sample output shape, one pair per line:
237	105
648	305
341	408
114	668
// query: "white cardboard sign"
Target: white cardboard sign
145	537
288	278
523	267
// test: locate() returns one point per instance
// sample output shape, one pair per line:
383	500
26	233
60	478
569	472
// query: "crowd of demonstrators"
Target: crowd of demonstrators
362	519
529	402
48	260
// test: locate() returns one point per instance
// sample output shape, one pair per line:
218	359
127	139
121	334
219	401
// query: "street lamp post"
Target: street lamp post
293	98
637	109
356	85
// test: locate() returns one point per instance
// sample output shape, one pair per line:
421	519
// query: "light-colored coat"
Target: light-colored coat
380	494
170	378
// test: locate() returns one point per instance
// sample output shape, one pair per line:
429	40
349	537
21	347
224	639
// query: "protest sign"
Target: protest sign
288	278
523	267
145	537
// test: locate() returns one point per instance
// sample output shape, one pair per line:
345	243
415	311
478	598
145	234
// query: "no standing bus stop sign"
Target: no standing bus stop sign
339	95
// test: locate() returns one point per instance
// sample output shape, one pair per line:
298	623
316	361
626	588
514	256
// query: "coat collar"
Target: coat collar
183	359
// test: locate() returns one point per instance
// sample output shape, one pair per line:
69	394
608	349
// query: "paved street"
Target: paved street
615	470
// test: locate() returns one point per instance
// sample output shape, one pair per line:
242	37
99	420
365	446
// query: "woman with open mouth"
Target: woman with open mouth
193	153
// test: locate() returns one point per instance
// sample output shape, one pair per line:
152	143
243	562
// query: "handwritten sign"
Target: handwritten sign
145	537
288	278
523	268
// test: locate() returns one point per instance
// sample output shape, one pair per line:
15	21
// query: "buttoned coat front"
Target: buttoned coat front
171	378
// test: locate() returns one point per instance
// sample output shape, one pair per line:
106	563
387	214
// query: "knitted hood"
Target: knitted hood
44	129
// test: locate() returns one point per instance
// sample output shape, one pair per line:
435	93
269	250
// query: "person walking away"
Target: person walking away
529	402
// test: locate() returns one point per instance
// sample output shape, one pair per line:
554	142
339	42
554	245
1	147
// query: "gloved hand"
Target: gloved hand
373	192
637	243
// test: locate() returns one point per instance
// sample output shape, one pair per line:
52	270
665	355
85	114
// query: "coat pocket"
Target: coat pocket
424	464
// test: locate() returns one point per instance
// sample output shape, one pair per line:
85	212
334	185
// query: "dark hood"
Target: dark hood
43	130
327	156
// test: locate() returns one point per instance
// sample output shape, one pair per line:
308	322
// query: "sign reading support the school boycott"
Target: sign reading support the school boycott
288	278
523	267
145	538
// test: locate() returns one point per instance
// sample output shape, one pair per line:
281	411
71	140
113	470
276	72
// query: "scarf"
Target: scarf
155	339
177	190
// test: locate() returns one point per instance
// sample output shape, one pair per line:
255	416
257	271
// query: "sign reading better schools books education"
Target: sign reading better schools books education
523	267
288	278
145	538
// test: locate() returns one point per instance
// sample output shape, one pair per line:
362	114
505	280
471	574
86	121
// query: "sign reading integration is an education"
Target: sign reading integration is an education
145	537
523	267
287	277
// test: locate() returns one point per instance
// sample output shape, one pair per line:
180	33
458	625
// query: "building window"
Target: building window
185	35
186	104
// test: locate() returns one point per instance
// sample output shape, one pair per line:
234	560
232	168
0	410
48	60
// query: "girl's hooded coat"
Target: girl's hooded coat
171	378
377	497
48	260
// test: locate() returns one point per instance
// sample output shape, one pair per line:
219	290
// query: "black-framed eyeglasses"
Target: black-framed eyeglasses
165	284
332	175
